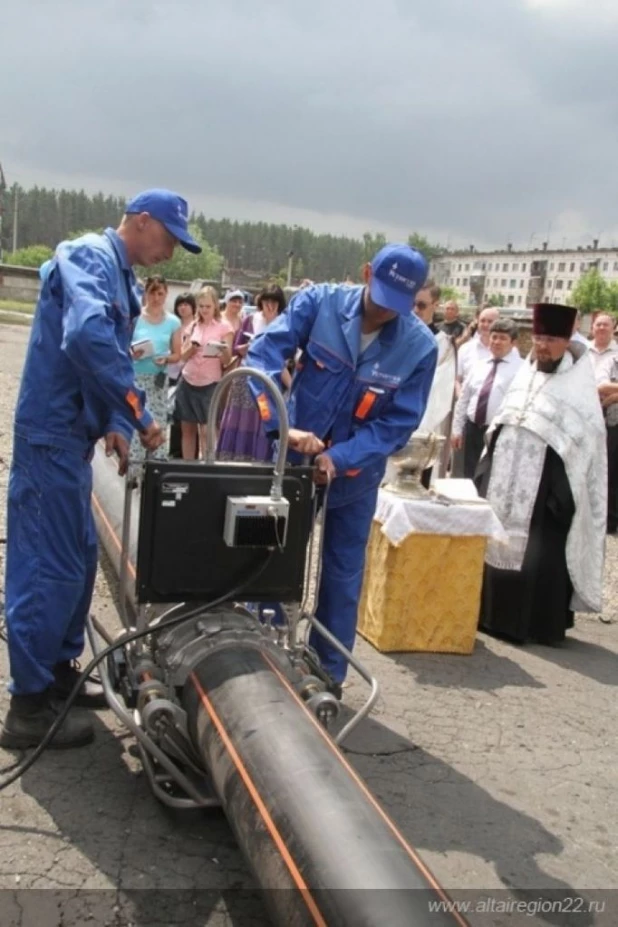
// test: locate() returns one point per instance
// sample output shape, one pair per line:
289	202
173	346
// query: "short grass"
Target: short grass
12	305
24	318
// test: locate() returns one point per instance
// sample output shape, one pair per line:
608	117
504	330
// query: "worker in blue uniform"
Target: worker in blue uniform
359	391
77	387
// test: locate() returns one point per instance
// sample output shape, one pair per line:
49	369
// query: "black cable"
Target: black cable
122	642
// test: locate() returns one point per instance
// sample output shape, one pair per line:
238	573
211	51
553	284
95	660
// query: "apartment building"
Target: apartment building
522	278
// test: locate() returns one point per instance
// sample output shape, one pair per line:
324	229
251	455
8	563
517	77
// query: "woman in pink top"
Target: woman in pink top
207	351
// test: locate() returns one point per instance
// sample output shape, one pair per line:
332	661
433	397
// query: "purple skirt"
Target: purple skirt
241	435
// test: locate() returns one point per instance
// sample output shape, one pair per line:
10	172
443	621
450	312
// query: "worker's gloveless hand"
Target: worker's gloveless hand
325	470
152	437
115	443
305	442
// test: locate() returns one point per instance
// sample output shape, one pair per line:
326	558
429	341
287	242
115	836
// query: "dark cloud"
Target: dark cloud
480	121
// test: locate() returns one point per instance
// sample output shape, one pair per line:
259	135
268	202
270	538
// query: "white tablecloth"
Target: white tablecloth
451	510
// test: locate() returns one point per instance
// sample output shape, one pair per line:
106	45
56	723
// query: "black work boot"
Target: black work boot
89	696
30	717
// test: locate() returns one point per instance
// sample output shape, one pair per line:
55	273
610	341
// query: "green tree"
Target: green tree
448	293
592	292
33	256
422	244
186	266
496	299
612	297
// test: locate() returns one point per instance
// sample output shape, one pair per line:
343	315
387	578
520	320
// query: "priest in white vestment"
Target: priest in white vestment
544	472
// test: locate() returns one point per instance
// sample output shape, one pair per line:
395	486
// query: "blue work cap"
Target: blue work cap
397	272
170	210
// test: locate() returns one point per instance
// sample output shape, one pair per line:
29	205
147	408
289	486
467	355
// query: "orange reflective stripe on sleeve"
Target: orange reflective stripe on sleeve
365	405
135	404
263	407
352	472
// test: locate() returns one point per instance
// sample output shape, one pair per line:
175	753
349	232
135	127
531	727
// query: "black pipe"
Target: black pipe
318	843
320	846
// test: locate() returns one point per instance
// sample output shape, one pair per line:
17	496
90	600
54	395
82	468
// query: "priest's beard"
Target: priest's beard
548	366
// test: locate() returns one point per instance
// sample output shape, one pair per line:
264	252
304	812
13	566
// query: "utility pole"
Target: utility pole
2	192
290	263
15	211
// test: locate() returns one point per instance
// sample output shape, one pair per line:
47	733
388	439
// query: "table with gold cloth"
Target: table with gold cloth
424	569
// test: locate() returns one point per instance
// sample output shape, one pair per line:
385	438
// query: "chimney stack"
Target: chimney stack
509	247
544	246
595	244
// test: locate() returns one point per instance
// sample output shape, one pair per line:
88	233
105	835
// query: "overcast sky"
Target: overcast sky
475	122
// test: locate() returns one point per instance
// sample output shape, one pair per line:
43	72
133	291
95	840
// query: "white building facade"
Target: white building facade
521	278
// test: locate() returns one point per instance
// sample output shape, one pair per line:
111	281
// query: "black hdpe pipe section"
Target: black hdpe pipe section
319	844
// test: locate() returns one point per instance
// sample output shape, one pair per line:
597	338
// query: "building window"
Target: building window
465	281
523	268
615	265
467	267
572	268
457	282
551	267
522	284
505	268
519	300
559	284
515	267
582	268
510	300
561	268
503	283
512	284
489	266
477	265
459	267
606	265
570	285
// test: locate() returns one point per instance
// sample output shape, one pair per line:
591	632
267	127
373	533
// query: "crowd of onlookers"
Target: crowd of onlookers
180	356
488	358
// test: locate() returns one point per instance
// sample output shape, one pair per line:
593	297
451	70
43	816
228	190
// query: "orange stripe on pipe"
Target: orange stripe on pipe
404	843
111	531
259	804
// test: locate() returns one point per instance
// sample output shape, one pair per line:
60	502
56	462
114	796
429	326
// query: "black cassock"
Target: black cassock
534	603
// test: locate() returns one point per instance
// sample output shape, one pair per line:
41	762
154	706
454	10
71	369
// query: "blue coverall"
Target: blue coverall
364	406
77	385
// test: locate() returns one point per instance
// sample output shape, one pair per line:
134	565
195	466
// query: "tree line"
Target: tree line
46	217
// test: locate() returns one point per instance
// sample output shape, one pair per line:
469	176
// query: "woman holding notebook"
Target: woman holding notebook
155	344
206	353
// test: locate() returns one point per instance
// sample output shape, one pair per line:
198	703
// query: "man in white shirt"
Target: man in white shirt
603	347
478	348
603	354
483	391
